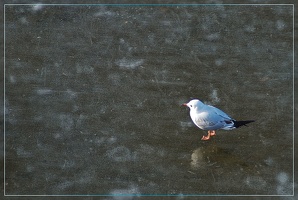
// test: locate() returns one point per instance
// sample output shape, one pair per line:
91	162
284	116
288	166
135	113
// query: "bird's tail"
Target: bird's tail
237	124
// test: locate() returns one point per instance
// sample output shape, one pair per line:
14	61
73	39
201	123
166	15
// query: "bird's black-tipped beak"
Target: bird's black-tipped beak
184	104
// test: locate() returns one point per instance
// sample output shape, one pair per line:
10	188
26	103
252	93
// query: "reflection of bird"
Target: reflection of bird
197	158
209	118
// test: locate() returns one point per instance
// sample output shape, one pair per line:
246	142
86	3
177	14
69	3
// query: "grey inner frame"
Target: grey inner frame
93	95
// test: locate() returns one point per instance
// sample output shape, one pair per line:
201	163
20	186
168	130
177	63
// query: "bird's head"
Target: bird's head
194	104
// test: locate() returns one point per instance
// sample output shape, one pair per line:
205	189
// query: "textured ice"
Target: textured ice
282	178
84	69
214	96
21	152
125	63
255	182
219	62
123	194
280	25
44	91
66	122
285	185
37	7
120	154
93	95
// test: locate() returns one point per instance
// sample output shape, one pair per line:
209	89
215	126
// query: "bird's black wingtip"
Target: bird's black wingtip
242	123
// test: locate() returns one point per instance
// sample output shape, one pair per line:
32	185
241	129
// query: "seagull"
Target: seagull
210	118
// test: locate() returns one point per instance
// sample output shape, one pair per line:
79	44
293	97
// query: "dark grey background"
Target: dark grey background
93	95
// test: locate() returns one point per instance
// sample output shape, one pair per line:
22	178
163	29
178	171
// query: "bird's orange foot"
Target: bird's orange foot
205	137
210	133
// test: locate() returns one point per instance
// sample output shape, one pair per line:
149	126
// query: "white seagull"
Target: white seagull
209	118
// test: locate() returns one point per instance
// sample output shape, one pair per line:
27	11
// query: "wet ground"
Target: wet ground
93	95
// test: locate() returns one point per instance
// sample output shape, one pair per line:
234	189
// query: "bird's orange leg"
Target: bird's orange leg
210	133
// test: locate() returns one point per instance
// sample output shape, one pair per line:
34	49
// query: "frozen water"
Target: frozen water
93	99
129	63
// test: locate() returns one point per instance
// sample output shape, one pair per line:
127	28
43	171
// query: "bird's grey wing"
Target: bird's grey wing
212	118
209	121
220	113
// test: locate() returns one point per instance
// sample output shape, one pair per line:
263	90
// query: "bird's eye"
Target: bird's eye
190	105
